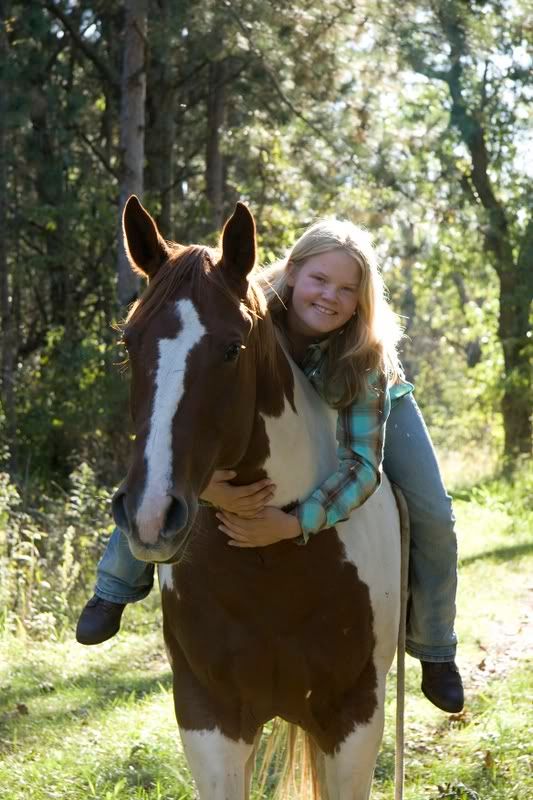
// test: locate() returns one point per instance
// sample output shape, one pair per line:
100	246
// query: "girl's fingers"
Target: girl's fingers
232	521
233	543
229	517
265	485
250	514
223	475
264	495
251	508
233	534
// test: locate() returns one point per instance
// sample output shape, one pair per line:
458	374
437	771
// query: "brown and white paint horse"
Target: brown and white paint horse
304	633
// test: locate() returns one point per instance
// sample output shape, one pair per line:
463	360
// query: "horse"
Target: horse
302	633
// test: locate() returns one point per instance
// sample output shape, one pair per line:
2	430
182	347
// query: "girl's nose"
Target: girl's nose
329	294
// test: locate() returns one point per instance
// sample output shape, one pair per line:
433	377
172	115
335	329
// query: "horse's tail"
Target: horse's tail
293	763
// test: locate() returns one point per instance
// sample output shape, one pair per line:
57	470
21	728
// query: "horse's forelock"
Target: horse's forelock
193	261
201	265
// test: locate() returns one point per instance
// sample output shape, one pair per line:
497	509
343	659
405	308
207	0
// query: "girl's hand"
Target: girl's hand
268	527
246	501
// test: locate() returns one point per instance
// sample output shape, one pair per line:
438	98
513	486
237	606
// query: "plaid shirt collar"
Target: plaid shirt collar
314	353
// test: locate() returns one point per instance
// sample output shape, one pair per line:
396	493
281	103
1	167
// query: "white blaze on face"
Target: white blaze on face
169	383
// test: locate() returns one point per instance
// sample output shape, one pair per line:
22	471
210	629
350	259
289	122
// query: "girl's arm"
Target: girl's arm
360	433
360	436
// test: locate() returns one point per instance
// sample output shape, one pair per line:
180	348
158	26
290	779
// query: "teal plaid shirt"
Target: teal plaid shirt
360	439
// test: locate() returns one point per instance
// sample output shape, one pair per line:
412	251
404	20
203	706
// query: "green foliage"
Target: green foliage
49	546
329	109
73	405
456	791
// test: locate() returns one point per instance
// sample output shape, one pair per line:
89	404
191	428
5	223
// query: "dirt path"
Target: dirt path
510	642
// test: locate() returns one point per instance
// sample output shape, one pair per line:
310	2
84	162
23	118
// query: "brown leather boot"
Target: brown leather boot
99	621
442	685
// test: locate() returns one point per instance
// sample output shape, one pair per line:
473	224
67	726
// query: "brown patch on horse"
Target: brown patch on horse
286	631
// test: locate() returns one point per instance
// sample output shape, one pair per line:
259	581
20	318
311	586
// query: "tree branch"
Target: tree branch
275	83
104	69
97	152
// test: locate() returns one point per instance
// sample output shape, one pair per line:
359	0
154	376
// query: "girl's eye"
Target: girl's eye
319	279
348	289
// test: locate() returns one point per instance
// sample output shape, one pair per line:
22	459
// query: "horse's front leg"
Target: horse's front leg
222	768
350	769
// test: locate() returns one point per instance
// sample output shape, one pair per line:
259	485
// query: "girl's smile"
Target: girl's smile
324	294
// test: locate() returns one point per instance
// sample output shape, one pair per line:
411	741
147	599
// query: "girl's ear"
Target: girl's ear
291	273
145	247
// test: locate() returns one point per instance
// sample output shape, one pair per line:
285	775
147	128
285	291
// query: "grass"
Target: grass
98	724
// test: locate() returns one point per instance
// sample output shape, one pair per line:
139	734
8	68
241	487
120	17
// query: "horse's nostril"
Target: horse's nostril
176	516
120	516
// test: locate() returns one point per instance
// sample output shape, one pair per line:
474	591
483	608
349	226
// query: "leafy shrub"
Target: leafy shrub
49	546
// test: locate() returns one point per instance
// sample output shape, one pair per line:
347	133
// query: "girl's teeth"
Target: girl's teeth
324	310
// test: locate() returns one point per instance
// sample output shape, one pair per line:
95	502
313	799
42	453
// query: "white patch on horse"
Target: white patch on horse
349	771
371	539
221	767
169	383
166	579
302	443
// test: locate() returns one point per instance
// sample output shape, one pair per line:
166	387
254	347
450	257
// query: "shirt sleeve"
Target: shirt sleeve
360	439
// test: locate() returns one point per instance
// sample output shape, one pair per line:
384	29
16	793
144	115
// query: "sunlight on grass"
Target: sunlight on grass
98	723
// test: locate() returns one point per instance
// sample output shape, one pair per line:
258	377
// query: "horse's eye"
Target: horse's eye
233	351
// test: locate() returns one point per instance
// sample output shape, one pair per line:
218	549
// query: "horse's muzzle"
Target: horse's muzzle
158	538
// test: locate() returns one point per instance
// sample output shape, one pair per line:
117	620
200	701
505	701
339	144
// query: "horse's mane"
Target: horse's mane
202	265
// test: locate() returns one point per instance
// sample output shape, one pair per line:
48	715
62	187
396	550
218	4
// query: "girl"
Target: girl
328	301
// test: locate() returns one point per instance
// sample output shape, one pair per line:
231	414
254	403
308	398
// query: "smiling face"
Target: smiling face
324	293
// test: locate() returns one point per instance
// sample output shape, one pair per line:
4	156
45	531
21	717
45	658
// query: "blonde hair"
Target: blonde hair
369	340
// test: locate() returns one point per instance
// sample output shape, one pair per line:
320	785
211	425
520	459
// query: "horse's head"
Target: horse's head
193	349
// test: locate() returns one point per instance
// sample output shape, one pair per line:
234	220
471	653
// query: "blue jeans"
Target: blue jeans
410	462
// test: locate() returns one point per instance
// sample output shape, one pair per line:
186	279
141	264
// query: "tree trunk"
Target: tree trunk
161	116
6	310
49	185
515	280
132	112
514	273
214	162
516	291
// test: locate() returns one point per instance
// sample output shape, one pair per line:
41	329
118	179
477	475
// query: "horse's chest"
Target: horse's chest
288	627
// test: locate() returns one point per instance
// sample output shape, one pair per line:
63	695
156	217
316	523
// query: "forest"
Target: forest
412	120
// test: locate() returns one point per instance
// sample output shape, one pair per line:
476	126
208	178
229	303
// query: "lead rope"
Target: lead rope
399	766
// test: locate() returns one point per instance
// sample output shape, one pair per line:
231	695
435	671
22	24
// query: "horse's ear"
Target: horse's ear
238	244
145	247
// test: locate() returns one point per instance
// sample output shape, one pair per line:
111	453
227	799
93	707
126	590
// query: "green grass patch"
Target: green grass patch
98	723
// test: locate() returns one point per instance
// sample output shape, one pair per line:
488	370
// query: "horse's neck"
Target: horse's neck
301	440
